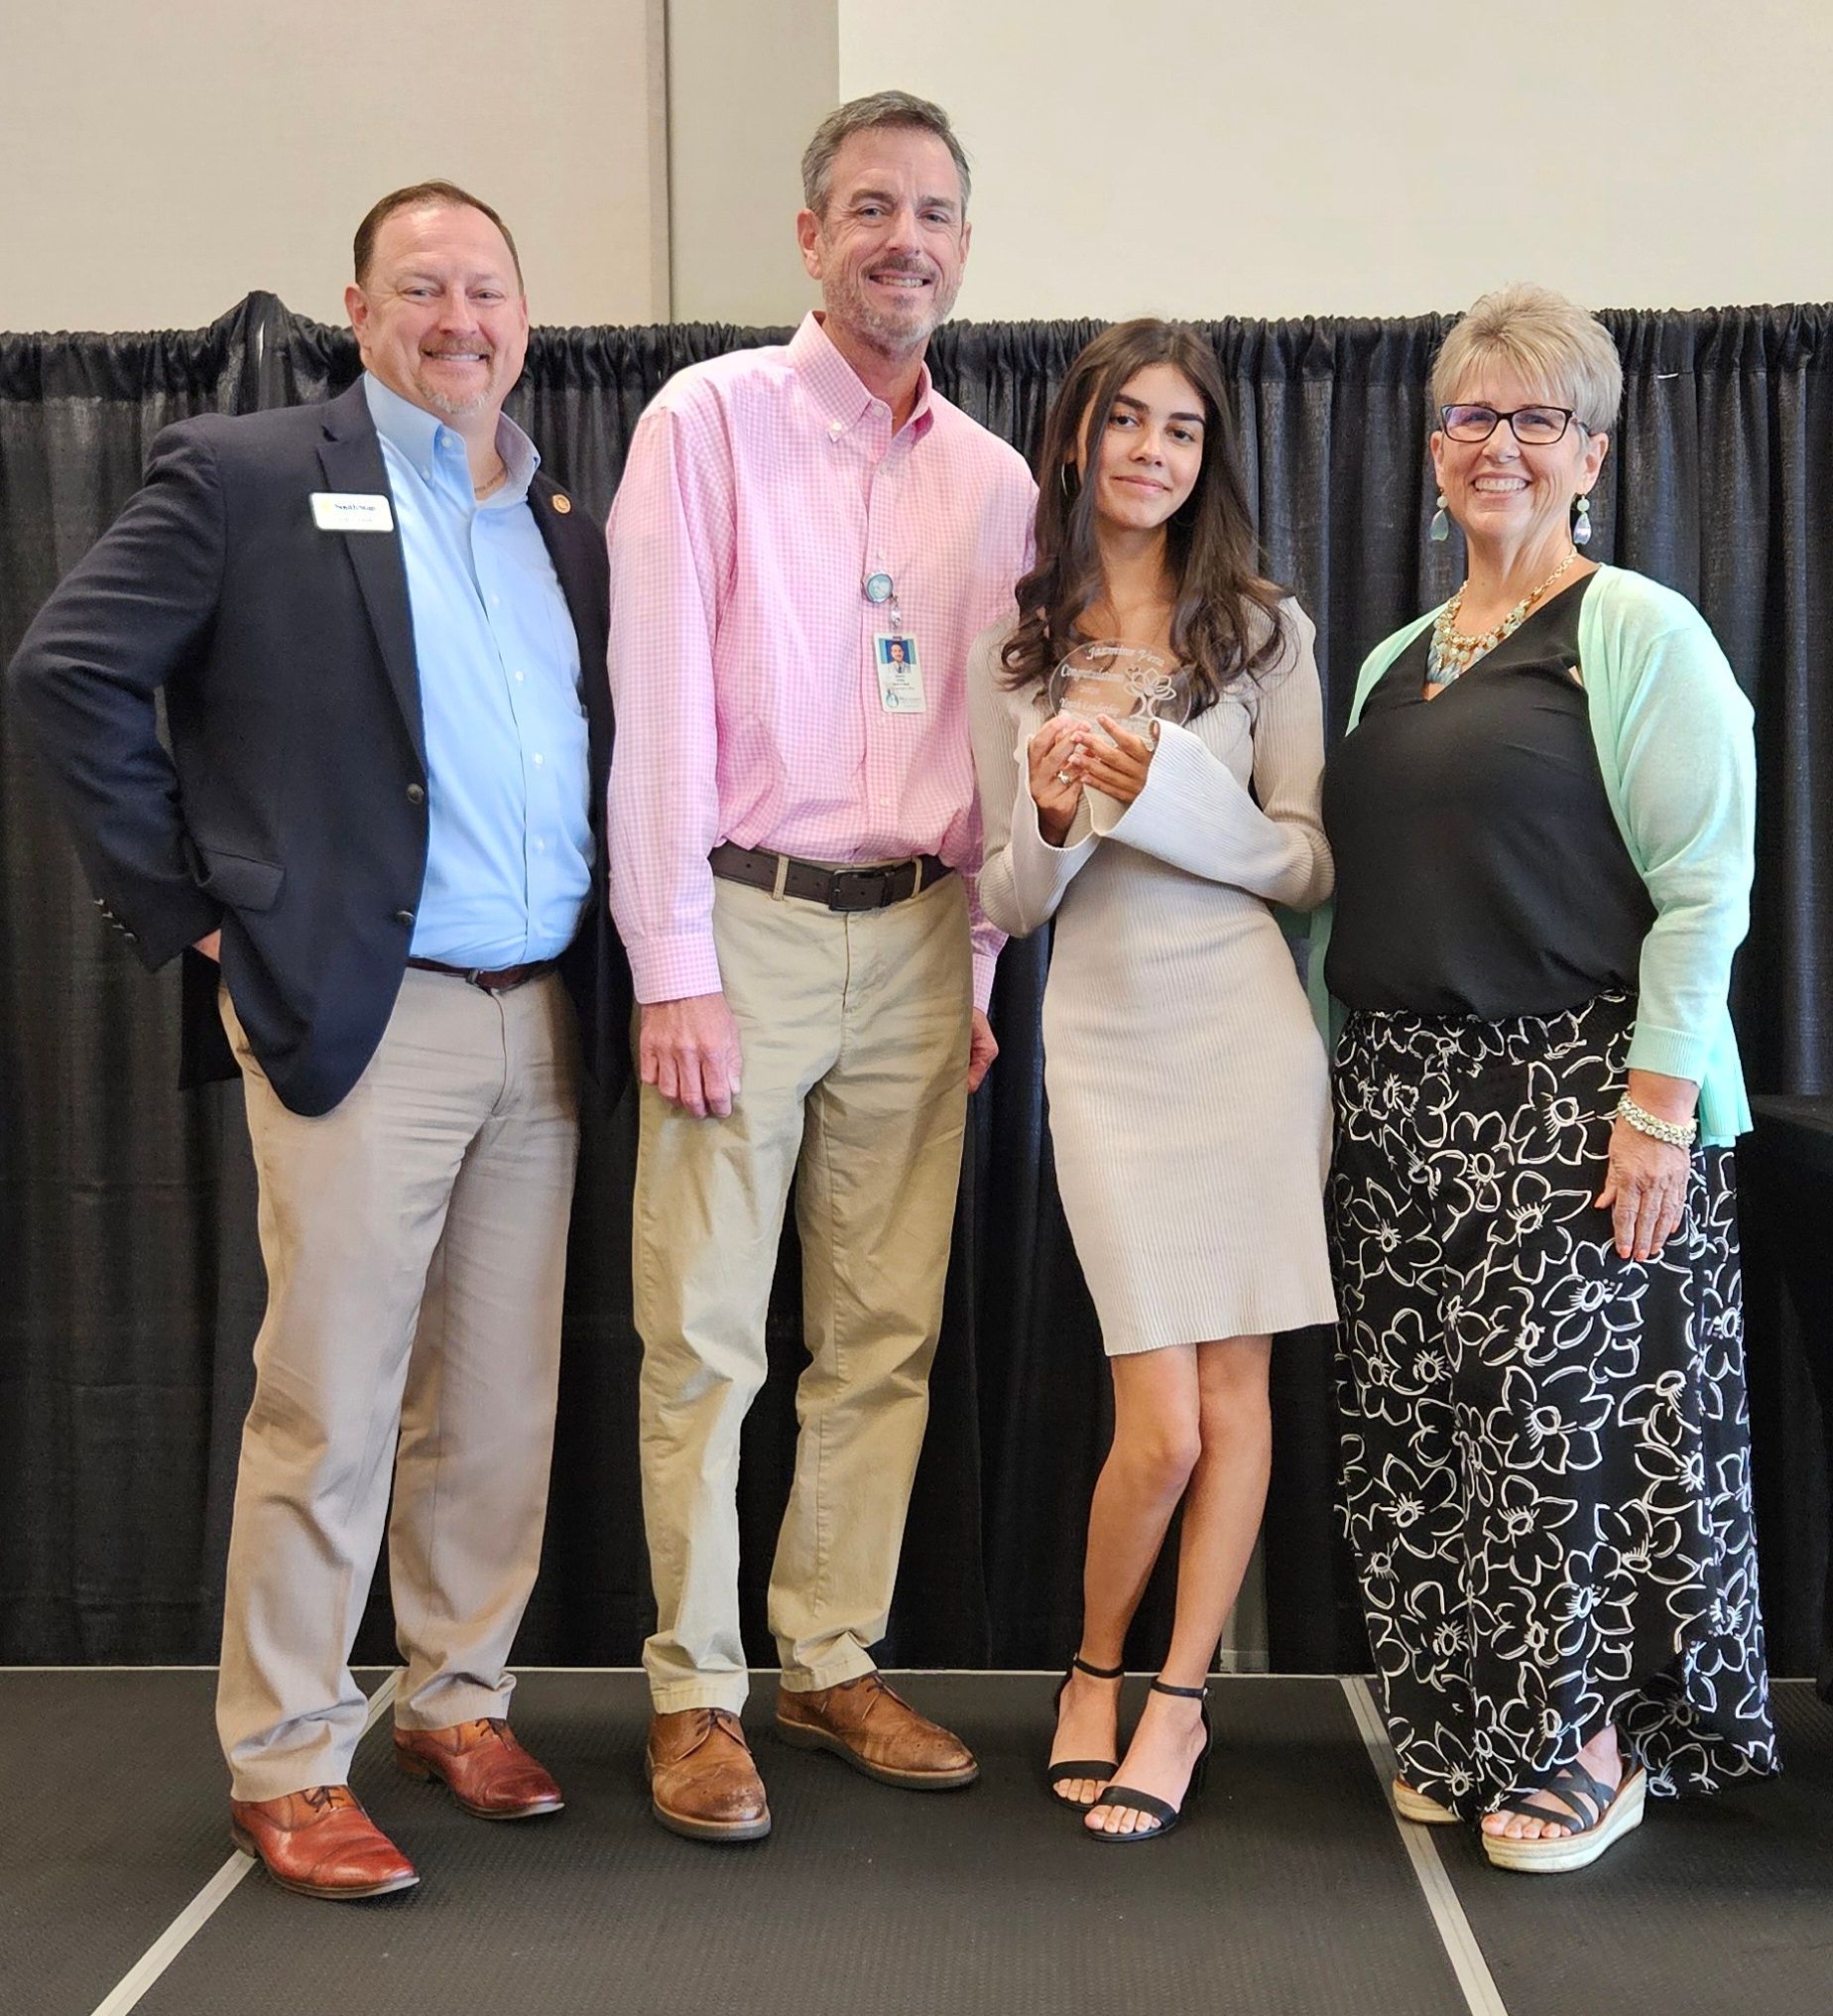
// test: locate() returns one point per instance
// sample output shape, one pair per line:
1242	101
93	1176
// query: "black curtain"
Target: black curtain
132	1283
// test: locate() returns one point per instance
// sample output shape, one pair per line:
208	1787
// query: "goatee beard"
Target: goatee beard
454	408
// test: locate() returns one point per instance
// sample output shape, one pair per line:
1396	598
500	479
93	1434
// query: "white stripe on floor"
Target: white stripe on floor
131	1666
1460	1942
127	1991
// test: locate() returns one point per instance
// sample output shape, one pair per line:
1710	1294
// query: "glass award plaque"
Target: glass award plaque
1132	686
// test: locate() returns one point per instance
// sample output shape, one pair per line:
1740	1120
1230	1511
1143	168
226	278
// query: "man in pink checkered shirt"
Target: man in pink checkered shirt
805	542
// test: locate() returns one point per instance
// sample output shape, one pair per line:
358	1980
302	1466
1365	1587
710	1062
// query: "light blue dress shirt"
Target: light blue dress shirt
509	847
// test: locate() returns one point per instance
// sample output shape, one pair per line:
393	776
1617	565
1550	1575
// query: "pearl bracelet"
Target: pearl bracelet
1676	1133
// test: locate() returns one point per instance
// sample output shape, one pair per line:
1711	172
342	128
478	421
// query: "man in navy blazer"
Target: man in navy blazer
377	839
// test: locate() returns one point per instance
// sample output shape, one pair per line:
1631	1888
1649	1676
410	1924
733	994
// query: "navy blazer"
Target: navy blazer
290	811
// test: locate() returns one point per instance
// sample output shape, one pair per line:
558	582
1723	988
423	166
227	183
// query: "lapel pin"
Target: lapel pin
562	502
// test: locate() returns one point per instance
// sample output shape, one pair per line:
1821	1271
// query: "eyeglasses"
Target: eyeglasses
1534	427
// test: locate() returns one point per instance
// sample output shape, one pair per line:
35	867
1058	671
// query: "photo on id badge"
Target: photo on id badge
900	675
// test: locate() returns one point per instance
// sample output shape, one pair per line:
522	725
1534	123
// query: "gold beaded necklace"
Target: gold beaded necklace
1451	652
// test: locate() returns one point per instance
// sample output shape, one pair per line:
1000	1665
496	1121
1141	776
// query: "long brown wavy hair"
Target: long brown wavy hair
1225	612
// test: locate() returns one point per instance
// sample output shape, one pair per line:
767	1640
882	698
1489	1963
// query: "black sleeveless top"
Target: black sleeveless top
1479	869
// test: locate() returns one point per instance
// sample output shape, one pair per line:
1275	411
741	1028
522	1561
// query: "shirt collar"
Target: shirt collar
421	437
838	392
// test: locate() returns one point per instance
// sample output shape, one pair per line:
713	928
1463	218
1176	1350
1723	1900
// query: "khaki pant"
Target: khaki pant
414	1240
855	1036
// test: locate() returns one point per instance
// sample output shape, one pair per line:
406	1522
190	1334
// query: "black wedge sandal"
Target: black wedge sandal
1080	1767
1596	1814
1167	1815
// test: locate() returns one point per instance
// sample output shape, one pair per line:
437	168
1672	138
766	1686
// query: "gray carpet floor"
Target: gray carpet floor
1288	1891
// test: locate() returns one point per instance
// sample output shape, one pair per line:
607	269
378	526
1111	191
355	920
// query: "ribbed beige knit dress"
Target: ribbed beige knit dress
1189	1106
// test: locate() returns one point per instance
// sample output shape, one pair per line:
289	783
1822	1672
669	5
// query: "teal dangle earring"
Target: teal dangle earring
1442	522
1581	525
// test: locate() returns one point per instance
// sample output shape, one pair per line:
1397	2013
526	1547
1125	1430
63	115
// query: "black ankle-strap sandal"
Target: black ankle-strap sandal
1080	1767
1161	1809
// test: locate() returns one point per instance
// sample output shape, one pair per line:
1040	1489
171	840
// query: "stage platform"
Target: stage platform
1290	1890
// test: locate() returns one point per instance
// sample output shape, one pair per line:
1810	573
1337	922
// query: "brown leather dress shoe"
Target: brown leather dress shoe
321	1843
877	1731
490	1774
703	1780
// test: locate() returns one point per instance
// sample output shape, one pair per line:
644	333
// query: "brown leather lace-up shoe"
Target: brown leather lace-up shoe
703	1780
490	1774
321	1843
877	1731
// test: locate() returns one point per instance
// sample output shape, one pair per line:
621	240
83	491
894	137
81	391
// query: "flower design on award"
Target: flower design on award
1128	683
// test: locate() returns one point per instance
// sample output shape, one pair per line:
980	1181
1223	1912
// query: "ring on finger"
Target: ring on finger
1062	777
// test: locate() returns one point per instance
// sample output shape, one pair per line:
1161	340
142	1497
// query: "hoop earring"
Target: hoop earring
1581	529
1441	521
1070	487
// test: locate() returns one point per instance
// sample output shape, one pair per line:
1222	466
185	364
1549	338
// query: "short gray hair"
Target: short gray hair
863	115
1551	343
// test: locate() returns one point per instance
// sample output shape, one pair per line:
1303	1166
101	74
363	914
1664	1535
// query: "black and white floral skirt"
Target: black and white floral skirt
1546	1448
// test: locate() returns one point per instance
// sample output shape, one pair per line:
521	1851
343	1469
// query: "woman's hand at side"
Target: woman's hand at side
1645	1182
1056	775
1116	762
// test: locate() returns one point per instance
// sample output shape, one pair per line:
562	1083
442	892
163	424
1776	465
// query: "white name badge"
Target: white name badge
350	511
899	677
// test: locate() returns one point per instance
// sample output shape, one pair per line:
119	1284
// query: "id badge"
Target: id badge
899	677
350	511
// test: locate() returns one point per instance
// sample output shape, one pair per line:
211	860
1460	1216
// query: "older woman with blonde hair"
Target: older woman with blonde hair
1542	820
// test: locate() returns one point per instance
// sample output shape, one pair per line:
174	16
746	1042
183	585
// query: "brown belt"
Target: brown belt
505	980
837	887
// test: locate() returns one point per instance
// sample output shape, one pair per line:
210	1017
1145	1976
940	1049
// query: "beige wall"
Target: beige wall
158	162
747	85
1374	157
1337	157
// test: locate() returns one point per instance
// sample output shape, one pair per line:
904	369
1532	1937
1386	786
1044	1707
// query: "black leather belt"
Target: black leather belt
504	980
837	887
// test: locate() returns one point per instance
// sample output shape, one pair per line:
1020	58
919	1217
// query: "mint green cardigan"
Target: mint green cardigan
1677	753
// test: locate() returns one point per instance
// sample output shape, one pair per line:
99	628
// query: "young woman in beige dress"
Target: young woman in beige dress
1188	1102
